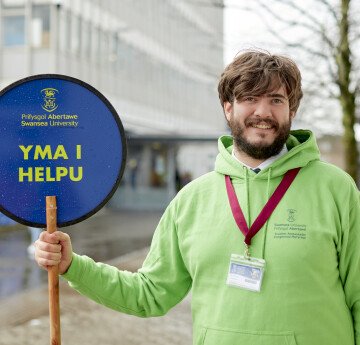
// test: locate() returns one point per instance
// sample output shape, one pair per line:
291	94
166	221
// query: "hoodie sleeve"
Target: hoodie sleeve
349	264
161	283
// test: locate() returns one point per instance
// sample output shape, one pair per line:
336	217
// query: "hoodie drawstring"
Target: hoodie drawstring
266	224
247	194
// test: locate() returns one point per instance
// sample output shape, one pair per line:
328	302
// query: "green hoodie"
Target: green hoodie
310	293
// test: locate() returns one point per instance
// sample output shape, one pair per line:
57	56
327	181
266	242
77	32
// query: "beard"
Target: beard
260	150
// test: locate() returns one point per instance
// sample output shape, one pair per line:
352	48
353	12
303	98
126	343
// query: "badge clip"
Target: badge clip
247	252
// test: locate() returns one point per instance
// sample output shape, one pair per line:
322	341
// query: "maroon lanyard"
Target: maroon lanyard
266	211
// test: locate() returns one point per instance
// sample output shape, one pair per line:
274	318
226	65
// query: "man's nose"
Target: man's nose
263	108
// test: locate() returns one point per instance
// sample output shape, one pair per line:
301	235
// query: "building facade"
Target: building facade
157	61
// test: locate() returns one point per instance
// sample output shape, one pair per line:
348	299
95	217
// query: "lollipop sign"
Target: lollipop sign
59	137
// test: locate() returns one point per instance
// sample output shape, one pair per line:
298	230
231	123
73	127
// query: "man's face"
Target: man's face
260	125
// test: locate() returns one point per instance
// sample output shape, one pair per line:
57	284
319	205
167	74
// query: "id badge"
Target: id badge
246	272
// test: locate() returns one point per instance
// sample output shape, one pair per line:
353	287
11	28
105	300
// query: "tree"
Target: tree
347	96
330	38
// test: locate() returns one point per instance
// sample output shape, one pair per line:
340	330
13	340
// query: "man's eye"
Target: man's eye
249	99
277	100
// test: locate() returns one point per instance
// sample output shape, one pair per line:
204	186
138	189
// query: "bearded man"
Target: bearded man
269	242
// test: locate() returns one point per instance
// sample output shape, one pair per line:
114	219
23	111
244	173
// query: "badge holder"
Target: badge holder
245	271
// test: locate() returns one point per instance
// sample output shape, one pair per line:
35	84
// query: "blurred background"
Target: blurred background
158	62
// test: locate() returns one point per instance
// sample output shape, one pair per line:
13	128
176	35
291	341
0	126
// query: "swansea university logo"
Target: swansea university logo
291	215
49	99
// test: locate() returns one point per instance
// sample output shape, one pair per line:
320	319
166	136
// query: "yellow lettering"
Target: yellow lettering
42	174
78	151
42	153
22	174
39	174
80	174
26	150
60	172
48	175
60	152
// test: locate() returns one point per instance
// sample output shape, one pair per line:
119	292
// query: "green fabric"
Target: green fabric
311	288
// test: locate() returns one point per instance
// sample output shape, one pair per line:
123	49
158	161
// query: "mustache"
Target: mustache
255	121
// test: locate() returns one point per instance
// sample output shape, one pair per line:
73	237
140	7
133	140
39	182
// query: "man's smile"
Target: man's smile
261	126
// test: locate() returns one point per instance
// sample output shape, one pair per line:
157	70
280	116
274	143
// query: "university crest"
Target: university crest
49	99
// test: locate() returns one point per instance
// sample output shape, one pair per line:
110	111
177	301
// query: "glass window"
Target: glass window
75	34
104	47
113	48
40	26
95	45
64	32
86	39
67	32
14	30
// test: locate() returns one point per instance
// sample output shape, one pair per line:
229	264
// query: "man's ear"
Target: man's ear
292	115
227	110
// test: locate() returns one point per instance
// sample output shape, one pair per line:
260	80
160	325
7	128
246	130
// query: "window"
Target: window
75	34
104	47
86	39
95	44
113	50
64	31
40	26
14	30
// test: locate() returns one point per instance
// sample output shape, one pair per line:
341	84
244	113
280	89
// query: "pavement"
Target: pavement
24	316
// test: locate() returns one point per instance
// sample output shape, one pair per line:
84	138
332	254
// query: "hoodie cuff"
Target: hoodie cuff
76	269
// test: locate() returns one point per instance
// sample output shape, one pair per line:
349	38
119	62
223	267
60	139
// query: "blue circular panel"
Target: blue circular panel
58	137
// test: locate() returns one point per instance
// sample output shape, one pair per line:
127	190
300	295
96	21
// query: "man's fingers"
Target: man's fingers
45	263
46	237
48	247
53	257
47	254
55	237
48	258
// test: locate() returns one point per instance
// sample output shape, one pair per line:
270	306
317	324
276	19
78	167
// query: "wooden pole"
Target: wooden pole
53	276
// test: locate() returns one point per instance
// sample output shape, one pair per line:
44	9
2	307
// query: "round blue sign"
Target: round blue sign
58	137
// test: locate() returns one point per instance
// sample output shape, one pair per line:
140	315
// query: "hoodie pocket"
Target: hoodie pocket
226	337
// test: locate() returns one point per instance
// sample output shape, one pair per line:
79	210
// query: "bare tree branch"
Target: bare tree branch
320	30
289	44
284	20
325	57
330	9
307	50
293	5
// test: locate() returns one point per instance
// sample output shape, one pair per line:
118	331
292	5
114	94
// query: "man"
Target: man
297	279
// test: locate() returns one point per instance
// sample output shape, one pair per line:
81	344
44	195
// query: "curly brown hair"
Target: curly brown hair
253	73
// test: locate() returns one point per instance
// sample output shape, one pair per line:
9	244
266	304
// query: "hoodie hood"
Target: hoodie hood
302	150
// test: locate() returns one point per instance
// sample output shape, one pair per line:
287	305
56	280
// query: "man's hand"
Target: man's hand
54	249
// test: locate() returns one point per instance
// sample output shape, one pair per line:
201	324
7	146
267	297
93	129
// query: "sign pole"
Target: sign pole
53	276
